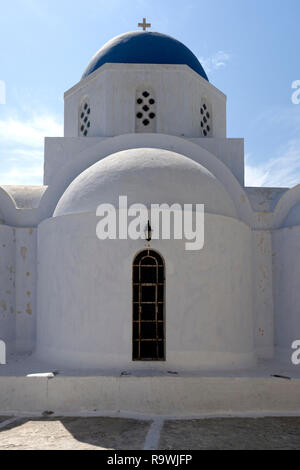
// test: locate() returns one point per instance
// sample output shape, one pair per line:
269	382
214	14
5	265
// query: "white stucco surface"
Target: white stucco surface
145	176
25	289
76	164
263	303
25	197
286	268
165	395
203	330
179	93
7	297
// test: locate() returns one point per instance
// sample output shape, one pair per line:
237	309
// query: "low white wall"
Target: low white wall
85	297
168	396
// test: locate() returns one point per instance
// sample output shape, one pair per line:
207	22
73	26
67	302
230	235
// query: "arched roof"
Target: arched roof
139	47
146	176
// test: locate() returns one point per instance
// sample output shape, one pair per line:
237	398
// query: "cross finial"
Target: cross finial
144	25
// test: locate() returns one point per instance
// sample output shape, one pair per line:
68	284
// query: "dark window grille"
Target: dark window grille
148	307
145	110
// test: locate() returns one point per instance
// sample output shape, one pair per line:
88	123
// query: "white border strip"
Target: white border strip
153	435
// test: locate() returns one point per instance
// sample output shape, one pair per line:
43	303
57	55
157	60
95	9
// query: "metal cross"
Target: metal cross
144	25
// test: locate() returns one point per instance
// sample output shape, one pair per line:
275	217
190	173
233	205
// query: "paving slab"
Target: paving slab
236	433
74	434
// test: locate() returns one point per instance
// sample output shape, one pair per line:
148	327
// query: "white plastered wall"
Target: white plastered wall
286	269
61	152
263	308
85	309
112	94
7	287
26	280
18	288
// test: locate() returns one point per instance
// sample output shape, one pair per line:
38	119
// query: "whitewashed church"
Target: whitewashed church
144	121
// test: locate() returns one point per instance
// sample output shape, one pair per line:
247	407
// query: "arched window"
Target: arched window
145	110
148	307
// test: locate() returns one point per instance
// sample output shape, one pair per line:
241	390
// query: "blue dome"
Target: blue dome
139	47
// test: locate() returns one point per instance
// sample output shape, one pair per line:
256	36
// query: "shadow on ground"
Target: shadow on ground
96	433
74	433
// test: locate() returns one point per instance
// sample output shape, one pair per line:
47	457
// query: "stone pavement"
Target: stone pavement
233	433
99	433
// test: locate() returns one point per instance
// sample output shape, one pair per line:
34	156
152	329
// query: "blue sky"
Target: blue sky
249	48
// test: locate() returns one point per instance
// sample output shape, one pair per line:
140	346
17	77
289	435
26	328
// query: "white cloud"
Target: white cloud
215	61
29	133
22	147
282	171
32	175
277	117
